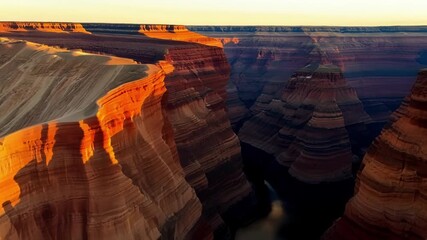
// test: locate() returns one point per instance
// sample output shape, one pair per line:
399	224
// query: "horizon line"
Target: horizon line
215	25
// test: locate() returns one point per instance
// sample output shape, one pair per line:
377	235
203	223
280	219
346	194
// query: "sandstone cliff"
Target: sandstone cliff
178	33
99	164
40	26
195	122
390	195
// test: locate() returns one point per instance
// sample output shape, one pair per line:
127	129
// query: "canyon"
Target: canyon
285	116
152	118
378	62
161	131
389	200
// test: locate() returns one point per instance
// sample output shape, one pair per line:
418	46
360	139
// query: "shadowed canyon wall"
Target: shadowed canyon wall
389	200
296	127
195	129
41	27
378	62
98	164
309	127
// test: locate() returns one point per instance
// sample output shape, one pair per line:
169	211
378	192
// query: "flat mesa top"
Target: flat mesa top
142	43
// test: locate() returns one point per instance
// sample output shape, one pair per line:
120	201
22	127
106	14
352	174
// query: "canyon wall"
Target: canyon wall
307	128
390	198
306	145
378	62
195	124
42	27
294	133
88	164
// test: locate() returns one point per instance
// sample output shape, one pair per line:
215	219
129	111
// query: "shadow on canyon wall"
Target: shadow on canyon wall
308	209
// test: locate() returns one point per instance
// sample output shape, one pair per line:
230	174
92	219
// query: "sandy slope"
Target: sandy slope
52	79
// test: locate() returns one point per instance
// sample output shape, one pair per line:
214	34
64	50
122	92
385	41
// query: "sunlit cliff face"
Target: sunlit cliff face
42	27
121	150
115	108
178	33
229	40
69	169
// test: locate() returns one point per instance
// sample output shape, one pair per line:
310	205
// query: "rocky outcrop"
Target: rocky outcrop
389	200
178	33
207	148
307	128
40	26
98	165
231	40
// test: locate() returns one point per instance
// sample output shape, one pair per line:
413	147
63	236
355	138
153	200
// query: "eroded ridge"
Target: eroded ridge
307	128
98	164
390	194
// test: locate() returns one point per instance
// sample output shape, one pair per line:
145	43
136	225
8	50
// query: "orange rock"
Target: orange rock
390	194
233	40
193	107
98	164
177	33
42	27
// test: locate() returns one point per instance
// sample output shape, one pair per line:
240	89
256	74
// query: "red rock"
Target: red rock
42	27
306	128
231	40
207	149
378	62
389	200
177	33
97	165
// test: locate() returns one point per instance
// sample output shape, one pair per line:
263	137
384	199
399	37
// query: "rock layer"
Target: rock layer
380	63
207	148
306	129
108	170
178	33
40	26
390	194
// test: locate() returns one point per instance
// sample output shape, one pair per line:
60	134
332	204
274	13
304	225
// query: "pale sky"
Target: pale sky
221	12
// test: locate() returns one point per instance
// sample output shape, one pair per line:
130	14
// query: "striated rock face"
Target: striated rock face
236	109
380	63
208	148
178	33
107	169
307	129
390	195
195	119
43	27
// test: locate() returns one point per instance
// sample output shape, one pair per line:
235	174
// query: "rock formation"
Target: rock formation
390	194
208	148
178	33
42	27
231	40
190	118
306	129
378	62
99	164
